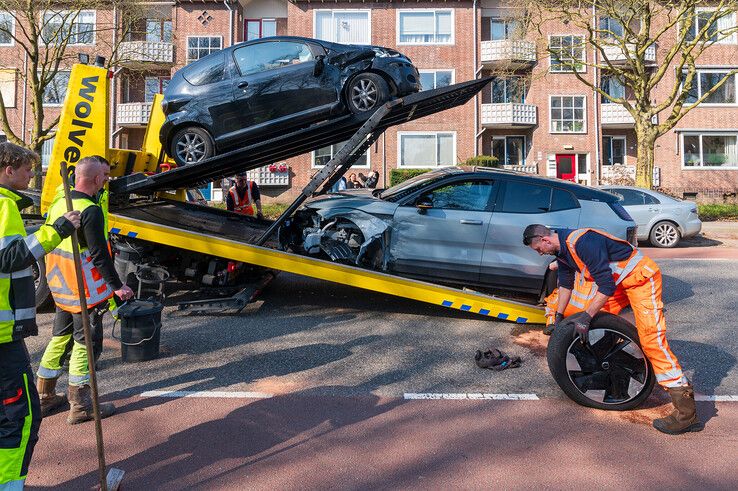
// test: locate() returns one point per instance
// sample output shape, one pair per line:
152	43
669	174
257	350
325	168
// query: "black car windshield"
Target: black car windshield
404	188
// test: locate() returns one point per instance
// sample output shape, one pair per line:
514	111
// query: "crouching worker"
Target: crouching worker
619	270
20	415
100	281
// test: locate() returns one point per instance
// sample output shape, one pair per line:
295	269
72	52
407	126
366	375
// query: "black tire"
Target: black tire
366	92
44	301
610	373
550	284
191	145
665	234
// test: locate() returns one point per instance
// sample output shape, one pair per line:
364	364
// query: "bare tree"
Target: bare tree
620	40
50	34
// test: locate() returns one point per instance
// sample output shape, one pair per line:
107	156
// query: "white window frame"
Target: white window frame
187	47
451	42
160	79
367	166
504	138
14	72
400	134
47	148
698	81
566	69
731	39
435	71
261	21
625	149
60	104
368	13
701	165
94	25
584	120
12	36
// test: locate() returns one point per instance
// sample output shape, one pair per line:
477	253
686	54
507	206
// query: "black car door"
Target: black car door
277	81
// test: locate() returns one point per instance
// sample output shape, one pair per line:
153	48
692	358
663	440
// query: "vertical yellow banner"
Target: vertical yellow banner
83	128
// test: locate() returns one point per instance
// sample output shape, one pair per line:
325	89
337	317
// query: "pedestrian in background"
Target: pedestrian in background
244	197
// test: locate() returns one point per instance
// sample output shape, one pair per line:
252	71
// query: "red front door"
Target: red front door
566	167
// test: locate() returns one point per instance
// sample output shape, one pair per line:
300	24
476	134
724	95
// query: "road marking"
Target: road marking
728	398
475	396
205	393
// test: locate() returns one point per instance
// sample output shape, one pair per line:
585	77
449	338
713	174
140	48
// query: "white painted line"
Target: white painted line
474	396
204	393
726	398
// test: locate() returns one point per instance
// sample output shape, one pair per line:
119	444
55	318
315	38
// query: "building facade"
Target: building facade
535	116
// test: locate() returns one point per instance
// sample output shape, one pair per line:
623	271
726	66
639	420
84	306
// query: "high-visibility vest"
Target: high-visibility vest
620	269
60	271
17	290
245	207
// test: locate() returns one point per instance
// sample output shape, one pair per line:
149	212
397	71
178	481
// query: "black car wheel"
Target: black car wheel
367	91
191	145
665	234
609	372
43	293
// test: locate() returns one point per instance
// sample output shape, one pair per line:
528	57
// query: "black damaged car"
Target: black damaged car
273	85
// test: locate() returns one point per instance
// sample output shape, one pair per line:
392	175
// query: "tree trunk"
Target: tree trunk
644	165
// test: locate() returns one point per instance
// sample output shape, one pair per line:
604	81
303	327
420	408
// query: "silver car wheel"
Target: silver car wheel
665	235
191	148
364	94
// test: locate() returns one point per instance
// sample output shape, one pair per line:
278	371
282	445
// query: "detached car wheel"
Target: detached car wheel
191	145
366	92
43	293
665	234
609	372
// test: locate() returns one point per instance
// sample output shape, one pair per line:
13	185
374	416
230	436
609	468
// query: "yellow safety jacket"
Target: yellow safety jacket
18	253
60	272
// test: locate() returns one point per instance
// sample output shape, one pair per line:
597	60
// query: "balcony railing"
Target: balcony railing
134	113
145	52
528	169
617	55
509	115
508	52
615	115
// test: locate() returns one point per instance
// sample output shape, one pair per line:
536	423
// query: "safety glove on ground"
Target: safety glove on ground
581	321
548	330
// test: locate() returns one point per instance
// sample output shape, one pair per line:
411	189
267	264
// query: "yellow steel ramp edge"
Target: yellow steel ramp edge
326	270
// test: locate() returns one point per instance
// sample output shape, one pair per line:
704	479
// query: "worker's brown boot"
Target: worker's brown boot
80	405
684	417
50	400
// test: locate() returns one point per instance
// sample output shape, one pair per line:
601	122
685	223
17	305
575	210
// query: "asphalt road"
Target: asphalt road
337	362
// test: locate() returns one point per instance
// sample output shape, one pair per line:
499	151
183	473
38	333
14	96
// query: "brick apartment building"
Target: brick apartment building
536	117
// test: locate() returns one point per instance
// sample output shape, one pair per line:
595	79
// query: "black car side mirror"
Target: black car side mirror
423	205
319	65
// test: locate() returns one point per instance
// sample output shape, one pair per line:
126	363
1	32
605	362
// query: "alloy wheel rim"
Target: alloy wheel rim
364	94
665	234
610	369
191	148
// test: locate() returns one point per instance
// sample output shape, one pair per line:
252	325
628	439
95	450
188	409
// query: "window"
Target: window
705	80
56	89
581	163
7	29
260	28
343	26
425	26
611	28
467	196
323	155
567	53
710	150
426	149
207	72
509	150
433	79
199	46
563	200
613	87
46	149
631	197
720	30
153	86
508	90
521	197
613	150
158	31
270	55
7	86
72	27
567	114
501	29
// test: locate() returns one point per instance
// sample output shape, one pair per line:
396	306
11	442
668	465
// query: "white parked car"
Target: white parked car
661	219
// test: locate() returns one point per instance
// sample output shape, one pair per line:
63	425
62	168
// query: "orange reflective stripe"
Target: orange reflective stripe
246	207
61	277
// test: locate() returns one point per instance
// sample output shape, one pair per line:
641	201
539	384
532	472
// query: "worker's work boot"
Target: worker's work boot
684	417
80	405
50	400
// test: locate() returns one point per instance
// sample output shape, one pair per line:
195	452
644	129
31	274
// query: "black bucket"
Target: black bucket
140	329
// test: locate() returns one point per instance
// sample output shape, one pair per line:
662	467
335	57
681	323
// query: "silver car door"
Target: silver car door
635	204
440	234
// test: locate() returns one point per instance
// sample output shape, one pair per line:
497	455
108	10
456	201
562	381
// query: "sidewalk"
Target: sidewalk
717	240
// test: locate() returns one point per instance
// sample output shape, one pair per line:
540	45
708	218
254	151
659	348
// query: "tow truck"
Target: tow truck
151	224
